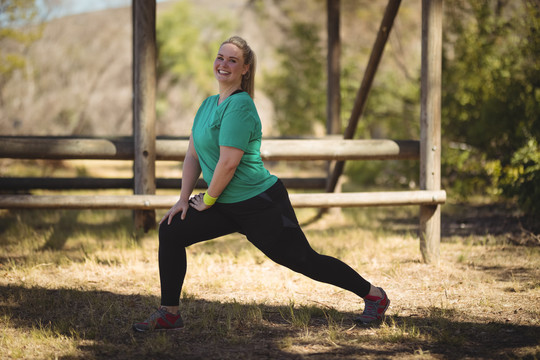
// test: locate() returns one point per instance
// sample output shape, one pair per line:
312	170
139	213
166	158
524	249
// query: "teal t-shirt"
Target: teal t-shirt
235	122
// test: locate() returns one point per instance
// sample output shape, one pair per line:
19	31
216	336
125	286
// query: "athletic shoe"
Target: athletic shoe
374	308
161	319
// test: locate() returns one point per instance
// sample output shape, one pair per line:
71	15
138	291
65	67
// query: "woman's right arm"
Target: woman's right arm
191	170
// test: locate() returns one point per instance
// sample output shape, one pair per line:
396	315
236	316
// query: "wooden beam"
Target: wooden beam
145	202
338	149
333	92
144	105
365	87
169	149
430	127
86	183
53	147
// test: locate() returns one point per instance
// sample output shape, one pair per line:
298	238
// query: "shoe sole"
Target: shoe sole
160	329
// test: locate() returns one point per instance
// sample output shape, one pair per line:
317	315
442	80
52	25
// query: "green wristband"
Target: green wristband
209	200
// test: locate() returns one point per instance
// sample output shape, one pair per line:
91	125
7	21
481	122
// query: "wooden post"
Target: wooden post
430	127
363	92
333	90
144	101
333	98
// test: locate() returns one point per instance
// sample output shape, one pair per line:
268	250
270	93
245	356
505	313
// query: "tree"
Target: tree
297	88
15	36
187	45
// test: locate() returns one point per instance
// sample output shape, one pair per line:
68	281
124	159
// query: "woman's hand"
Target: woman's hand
197	202
180	206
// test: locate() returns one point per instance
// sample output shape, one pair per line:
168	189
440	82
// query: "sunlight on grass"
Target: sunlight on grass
38	342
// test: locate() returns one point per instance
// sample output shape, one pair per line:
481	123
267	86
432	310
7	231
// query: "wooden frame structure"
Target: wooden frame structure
144	149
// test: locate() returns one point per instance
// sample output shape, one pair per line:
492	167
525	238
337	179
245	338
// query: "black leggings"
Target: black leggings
269	222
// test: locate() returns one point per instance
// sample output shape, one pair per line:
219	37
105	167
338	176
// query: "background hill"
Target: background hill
77	79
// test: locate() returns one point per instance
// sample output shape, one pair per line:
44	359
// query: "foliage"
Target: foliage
187	43
491	95
490	100
297	89
522	177
14	37
392	112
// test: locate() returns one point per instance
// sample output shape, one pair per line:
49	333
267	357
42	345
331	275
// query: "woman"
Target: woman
242	196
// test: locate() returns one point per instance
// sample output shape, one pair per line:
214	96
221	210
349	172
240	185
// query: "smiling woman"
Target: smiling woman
242	197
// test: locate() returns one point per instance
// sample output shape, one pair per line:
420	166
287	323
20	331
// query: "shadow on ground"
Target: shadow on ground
497	220
99	322
56	227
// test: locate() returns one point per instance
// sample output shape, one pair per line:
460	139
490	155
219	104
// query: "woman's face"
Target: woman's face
229	65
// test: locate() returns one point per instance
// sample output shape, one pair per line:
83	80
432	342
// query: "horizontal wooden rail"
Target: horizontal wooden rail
175	149
87	183
143	202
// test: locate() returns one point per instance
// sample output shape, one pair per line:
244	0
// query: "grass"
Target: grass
72	282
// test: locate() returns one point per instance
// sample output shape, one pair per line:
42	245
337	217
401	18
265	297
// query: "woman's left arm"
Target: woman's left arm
229	158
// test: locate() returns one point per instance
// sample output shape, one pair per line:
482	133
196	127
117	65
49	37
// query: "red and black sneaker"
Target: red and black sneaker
374	308
161	319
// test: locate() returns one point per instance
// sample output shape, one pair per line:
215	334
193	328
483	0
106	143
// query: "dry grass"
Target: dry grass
72	282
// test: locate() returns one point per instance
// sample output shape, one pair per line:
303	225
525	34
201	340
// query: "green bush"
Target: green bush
521	178
491	99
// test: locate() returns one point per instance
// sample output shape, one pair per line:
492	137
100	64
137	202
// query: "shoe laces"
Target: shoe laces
371	308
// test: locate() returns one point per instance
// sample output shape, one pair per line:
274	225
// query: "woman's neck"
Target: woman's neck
226	91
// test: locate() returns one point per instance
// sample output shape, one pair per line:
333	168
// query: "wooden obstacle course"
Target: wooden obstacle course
144	149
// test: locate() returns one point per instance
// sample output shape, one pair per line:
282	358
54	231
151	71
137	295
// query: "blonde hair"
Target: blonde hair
248	79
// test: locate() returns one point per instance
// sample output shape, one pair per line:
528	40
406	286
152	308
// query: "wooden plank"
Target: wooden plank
361	199
86	183
338	149
144	202
430	127
51	147
171	149
144	105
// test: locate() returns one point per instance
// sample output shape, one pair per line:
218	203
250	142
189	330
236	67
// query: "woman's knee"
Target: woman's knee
299	259
168	235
